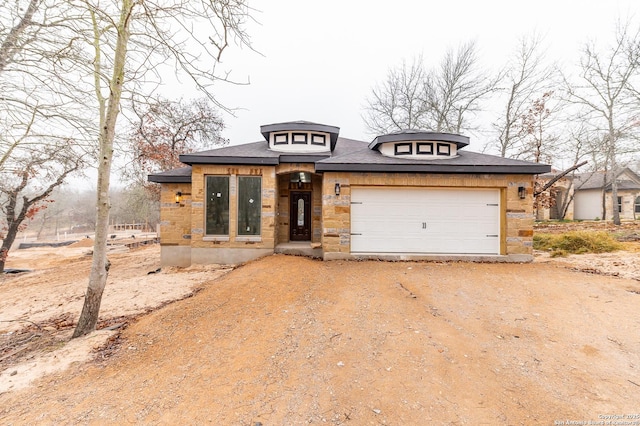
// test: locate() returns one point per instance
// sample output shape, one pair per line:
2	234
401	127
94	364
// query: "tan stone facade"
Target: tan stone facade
182	230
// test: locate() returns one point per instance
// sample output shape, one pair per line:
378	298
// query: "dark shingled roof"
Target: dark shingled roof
181	175
352	155
596	180
358	157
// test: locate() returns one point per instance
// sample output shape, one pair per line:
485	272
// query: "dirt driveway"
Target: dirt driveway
289	340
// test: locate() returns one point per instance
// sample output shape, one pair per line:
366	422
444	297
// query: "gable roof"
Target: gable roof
596	180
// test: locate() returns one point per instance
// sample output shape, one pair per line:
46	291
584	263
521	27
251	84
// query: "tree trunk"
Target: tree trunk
99	267
614	196
7	242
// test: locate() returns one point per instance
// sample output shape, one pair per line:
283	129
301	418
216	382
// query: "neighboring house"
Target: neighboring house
562	192
304	189
593	193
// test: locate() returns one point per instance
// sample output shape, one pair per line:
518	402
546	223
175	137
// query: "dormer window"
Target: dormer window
300	137
281	139
424	148
419	145
318	139
444	149
403	149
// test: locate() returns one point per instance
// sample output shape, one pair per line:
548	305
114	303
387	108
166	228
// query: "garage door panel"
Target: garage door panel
425	220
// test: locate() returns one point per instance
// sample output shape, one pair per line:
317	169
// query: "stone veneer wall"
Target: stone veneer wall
628	204
516	221
239	248
175	224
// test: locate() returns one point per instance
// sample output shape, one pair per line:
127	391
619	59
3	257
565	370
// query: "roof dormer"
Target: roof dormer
300	137
419	145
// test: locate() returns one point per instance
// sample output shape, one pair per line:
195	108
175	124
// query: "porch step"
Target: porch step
299	249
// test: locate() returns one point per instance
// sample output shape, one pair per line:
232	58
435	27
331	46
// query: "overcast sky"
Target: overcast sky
320	59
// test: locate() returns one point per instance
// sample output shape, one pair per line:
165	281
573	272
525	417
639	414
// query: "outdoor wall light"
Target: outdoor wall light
522	193
178	197
337	189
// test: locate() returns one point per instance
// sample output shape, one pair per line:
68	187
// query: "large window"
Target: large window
637	205
249	205
217	205
619	204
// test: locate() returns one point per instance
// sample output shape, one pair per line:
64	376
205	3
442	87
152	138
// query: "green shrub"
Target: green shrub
576	242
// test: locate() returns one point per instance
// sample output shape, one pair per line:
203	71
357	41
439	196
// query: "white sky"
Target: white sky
321	58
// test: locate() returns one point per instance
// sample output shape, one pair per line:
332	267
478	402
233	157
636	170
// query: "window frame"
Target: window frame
243	235
228	207
286	139
398	147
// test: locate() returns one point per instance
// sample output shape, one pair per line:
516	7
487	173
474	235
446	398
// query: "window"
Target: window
424	148
249	205
299	138
217	205
637	207
619	204
403	149
318	139
444	149
281	139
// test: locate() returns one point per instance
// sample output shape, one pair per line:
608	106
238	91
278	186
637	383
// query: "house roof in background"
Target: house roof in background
627	179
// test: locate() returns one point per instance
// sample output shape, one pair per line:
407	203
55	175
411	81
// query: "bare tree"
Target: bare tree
442	99
164	129
398	103
605	91
37	150
538	141
524	77
129	41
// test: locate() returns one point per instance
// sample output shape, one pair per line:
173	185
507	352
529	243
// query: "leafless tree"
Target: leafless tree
605	92
525	77
441	99
38	152
162	130
129	41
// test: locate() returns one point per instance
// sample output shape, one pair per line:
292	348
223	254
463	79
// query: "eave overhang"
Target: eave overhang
433	168
200	159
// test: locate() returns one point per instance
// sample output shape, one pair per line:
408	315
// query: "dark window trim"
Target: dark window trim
424	144
293	138
448	149
206	191
403	145
286	139
242	233
324	139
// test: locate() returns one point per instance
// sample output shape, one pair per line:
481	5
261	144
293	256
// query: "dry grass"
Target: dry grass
576	242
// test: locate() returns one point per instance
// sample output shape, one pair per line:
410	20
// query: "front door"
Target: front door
300	216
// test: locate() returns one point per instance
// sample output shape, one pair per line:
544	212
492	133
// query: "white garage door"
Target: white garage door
425	220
